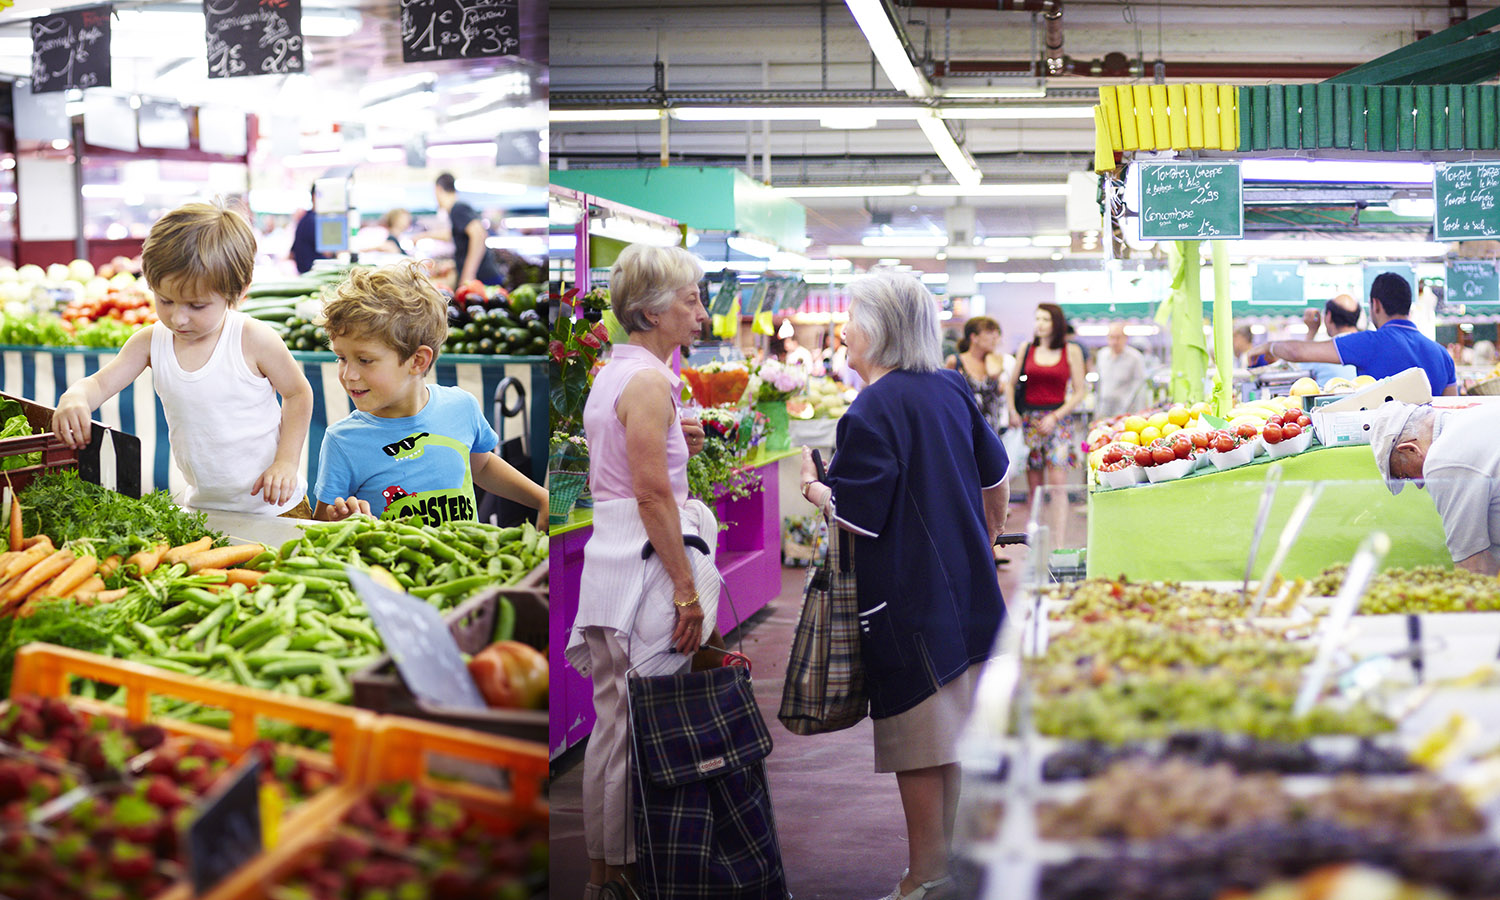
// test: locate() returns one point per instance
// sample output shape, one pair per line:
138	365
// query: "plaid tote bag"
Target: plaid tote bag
825	675
704	823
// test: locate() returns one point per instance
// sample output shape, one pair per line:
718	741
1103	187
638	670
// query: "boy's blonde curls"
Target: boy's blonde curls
198	249
394	304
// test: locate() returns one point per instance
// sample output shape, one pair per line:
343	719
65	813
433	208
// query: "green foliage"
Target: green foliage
66	508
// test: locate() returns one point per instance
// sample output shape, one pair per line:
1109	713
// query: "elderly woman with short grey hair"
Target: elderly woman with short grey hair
919	480
645	615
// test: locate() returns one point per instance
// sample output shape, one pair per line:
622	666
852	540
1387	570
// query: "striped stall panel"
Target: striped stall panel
42	375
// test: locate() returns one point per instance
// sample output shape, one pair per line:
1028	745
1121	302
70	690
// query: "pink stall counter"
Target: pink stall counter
749	559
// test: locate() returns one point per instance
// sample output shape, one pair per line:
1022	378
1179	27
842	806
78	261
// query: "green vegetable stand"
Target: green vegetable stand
43	373
1200	527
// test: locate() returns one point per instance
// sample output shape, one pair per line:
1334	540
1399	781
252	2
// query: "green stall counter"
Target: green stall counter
1200	528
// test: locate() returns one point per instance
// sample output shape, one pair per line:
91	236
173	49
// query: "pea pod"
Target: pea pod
461	585
344	533
263	624
150	638
288	668
308	583
505	619
170	665
209	623
240	670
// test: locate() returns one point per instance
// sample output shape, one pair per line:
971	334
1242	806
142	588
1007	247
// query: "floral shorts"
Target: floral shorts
1058	449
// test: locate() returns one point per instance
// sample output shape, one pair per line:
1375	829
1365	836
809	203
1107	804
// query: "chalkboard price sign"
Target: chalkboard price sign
70	49
227	832
421	644
1468	200
458	29
1472	281
1186	201
253	37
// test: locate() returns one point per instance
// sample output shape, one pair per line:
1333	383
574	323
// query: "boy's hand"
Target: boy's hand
344	507
276	484
71	422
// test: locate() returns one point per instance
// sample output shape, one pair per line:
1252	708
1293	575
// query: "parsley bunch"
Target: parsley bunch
66	508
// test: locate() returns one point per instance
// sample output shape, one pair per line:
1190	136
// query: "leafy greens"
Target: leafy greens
66	508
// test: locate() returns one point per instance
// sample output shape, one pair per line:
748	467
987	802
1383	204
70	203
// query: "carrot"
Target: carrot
108	566
37	575
110	596
28	543
15	519
87	589
27	558
79	571
181	553
224	557
248	577
146	561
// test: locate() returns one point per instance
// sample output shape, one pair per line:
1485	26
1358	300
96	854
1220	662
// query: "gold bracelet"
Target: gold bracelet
692	602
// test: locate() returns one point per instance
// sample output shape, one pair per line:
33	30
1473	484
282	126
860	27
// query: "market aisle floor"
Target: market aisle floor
842	835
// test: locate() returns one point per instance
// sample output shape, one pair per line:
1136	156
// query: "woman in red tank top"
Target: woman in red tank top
1054	384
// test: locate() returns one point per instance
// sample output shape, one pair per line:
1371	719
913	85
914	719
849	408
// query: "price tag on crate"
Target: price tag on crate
226	835
420	643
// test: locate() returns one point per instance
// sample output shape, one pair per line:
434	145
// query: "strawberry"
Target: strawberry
148	736
11	786
57	713
164	793
128	862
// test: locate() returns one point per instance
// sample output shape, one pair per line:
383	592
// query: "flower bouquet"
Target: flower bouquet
567	474
716	383
574	351
772	385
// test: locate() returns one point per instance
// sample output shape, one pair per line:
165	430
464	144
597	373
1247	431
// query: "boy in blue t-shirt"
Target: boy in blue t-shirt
409	447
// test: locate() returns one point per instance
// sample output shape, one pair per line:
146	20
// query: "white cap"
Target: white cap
1386	426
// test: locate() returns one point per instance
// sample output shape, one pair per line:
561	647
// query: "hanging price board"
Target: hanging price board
459	29
253	37
70	49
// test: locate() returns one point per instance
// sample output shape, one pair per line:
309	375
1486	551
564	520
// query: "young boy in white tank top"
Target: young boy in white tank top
217	371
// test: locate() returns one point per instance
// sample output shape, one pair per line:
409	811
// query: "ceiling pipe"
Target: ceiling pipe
1118	65
1051	11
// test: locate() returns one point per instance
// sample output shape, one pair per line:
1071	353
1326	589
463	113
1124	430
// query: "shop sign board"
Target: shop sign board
459	29
1375	270
1188	201
70	49
1278	283
1472	281
253	37
1467	196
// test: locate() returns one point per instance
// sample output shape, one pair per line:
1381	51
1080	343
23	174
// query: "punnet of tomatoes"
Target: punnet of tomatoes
1164	450
130	307
1286	426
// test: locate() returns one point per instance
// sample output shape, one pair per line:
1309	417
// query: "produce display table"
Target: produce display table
749	560
1199	528
43	373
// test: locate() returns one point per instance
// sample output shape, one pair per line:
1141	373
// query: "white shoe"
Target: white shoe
918	892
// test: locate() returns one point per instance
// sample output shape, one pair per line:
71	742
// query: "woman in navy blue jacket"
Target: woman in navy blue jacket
919	479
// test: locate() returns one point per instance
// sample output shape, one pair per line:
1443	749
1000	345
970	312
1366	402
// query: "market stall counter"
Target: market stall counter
1211	519
749	561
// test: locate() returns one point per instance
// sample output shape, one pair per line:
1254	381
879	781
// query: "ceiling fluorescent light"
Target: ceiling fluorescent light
999	91
1404	203
992	190
785	261
633	231
851	190
960	164
934	277
1007	242
989	278
603	115
791	113
888	48
1017	112
849	121
1052	240
751	246
1338	171
904	240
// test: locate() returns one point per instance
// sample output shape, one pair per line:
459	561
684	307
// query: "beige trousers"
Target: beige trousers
608	821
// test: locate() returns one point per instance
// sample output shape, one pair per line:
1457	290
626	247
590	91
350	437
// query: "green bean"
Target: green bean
125	645
308	583
240	670
169	665
300	562
289	667
148	635
461	585
209	623
265	623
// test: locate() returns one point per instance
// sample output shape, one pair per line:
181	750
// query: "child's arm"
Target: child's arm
278	483
502	479
71	421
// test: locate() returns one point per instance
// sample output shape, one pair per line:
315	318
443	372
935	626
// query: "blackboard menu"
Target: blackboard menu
227	832
1466	195
458	29
1185	201
253	37
420	643
70	49
1473	281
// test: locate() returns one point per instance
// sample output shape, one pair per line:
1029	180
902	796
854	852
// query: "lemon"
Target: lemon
1305	386
1364	381
1158	420
1128	437
1149	434
1201	407
1135	424
1178	415
1170	429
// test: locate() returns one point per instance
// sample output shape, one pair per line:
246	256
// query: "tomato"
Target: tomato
1112	454
1245	430
1272	434
1144	457
1224	443
1291	430
1182	446
1163	455
510	674
1201	439
1304	420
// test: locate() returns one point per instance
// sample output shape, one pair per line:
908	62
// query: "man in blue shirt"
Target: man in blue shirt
1340	316
1394	346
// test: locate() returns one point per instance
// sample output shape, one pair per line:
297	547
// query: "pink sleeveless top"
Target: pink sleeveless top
609	460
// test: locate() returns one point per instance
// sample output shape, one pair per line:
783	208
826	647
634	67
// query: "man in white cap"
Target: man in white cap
1455	455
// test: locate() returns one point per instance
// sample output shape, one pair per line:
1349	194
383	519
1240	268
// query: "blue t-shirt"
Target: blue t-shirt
914	452
1395	347
412	465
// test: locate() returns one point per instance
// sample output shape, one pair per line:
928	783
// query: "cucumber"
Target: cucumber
277	313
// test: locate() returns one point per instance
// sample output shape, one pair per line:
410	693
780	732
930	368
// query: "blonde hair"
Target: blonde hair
643	280
394	304
200	248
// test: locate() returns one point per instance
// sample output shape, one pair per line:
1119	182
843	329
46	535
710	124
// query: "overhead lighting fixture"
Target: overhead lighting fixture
1016	112
888	48
793	113
960	164
565	243
849	121
563	211
1338	171
1405	203
992	190
1052	240
787	261
934	277
634	231
1018	87
603	115
904	240
1006	242
752	246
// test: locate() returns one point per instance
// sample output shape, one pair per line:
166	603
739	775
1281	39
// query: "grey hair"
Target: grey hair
899	318
643	280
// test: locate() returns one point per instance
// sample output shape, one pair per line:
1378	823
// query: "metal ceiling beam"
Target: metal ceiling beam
1100	68
1419	55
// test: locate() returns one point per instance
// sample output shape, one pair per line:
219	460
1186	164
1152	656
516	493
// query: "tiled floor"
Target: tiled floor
842	835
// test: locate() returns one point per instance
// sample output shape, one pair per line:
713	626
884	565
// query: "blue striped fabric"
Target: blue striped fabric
318	426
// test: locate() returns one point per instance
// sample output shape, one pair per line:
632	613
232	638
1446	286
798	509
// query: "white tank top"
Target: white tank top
223	422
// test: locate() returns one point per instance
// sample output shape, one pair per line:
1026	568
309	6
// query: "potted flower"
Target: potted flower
567	474
772	385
